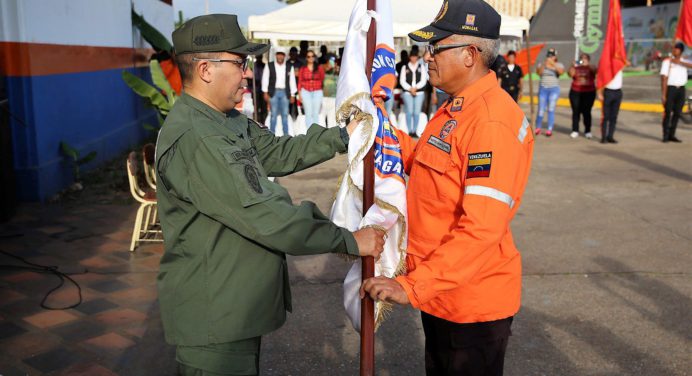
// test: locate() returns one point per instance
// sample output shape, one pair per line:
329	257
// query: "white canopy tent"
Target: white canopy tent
327	20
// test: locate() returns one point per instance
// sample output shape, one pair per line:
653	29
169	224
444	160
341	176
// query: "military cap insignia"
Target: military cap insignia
206	40
470	20
424	34
479	165
448	128
443	11
252	178
470	23
457	103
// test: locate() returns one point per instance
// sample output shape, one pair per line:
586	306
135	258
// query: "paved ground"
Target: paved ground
604	230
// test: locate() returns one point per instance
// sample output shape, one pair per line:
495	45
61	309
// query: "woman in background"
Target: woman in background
310	93
582	94
548	90
413	77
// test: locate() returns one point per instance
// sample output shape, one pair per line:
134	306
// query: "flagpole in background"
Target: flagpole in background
367	310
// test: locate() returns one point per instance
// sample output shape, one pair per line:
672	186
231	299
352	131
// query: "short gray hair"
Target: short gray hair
490	48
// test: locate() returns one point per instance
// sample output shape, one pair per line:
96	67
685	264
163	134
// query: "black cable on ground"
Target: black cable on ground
41	269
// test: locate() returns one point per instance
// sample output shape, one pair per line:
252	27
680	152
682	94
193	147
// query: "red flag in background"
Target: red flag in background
684	32
613	57
522	57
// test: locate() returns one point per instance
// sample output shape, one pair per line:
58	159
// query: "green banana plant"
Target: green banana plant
161	96
73	154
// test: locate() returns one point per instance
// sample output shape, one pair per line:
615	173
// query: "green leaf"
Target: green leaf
150	34
159	77
146	91
89	157
69	150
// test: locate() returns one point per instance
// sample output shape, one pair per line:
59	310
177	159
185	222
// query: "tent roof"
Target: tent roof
327	20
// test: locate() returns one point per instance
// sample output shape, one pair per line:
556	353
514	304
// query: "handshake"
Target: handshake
370	241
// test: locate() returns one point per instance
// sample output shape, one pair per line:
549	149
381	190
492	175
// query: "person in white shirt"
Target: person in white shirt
610	97
673	81
413	77
279	88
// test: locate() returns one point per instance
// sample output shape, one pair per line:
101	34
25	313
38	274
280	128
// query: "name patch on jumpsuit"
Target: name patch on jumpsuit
479	165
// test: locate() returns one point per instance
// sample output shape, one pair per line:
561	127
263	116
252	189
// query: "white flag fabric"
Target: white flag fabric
353	100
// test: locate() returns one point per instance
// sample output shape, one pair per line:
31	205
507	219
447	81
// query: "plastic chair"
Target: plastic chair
148	157
146	228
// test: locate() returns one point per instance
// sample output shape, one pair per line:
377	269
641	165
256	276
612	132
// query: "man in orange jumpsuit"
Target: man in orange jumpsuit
467	175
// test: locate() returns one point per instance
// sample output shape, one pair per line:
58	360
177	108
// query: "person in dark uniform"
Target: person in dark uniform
223	278
261	104
511	76
673	82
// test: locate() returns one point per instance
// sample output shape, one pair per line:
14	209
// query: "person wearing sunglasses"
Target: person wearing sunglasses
310	81
223	278
467	174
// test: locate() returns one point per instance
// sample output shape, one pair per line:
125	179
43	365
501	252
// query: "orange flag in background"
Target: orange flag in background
684	32
613	57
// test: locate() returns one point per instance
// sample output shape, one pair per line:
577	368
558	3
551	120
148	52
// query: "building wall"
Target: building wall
63	61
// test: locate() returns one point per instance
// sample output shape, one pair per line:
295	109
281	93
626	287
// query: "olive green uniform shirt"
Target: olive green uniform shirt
227	228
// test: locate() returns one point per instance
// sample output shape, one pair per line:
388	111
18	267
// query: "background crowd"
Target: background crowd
299	83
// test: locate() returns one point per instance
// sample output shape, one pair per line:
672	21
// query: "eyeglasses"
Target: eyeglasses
433	49
241	63
311	56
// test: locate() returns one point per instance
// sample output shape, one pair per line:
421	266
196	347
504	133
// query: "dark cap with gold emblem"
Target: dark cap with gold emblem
464	17
214	33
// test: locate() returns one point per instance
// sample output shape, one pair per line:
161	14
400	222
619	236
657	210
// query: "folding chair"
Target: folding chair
148	156
146	227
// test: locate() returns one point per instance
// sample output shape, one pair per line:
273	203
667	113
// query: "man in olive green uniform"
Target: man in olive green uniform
223	280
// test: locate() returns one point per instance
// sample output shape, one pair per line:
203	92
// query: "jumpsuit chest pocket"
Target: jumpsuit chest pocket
248	176
432	164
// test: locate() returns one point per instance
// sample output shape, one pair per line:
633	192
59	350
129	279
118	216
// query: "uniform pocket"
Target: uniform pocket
434	158
428	174
252	185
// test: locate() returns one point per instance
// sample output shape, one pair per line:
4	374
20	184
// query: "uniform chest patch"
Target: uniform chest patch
457	104
252	178
448	128
438	143
479	165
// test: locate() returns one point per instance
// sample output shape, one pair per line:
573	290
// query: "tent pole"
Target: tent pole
367	307
528	57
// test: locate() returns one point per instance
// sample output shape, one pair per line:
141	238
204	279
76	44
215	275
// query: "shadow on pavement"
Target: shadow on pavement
640	162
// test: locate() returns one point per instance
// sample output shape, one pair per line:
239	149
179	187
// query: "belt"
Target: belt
677	87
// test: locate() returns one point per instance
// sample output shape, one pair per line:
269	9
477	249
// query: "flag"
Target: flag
684	31
522	57
613	57
354	100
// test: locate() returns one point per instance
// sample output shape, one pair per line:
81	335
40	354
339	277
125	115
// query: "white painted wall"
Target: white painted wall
104	23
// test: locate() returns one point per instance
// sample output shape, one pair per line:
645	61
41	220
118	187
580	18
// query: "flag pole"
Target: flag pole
528	57
367	305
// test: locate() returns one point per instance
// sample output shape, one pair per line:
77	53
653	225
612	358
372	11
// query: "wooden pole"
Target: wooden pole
367	305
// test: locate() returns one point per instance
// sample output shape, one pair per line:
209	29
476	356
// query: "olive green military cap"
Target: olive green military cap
214	33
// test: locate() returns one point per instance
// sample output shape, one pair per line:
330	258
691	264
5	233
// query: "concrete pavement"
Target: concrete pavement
605	233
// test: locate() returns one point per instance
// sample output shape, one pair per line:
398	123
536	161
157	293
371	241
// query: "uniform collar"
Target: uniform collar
200	106
473	92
